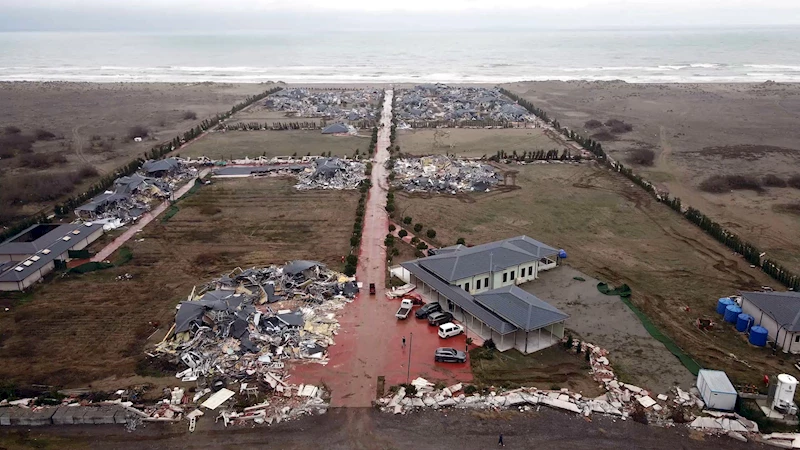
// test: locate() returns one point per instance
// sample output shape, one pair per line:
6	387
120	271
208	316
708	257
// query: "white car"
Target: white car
450	329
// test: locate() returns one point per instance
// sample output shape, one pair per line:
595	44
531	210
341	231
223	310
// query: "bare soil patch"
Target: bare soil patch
551	368
252	144
80	329
469	142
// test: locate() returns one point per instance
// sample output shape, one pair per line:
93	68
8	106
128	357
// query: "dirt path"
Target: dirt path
366	428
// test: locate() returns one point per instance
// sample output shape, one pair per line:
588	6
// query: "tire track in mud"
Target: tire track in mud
721	262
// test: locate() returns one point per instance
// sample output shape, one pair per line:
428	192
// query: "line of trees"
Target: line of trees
750	252
351	261
534	155
461	123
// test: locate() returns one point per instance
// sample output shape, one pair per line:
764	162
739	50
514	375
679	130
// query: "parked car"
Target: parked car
448	354
439	318
405	308
427	309
450	329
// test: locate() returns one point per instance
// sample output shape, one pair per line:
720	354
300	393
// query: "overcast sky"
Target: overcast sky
198	15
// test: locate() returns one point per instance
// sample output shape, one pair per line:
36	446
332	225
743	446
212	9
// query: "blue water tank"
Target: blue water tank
743	322
723	303
758	336
732	312
562	253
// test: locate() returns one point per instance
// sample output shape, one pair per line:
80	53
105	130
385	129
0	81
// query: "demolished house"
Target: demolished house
233	327
455	105
443	174
340	105
130	196
332	173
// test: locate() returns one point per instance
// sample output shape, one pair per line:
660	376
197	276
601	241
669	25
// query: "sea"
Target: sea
486	56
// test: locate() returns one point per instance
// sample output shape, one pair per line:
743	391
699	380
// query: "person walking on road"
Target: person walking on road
404	342
500	441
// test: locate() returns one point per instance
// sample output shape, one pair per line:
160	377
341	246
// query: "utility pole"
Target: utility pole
410	341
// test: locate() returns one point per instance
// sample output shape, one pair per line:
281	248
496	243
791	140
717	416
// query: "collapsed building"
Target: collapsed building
131	195
345	105
443	174
247	324
442	103
332	173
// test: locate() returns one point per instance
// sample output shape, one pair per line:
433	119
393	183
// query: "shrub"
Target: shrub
422	246
87	171
724	183
189	115
354	240
407	220
138	131
18	142
35	161
414	240
592	124
43	135
417	228
11	129
772	180
794	181
352	260
431	233
489	344
470	389
349	270
402	233
618	126
642	157
461	241
392	227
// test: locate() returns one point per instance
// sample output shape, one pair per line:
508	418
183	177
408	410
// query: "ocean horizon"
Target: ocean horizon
713	55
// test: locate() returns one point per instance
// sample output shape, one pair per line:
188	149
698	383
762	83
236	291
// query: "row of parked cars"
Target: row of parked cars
433	312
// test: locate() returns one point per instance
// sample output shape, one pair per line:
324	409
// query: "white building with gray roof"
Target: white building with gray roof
33	253
478	285
779	313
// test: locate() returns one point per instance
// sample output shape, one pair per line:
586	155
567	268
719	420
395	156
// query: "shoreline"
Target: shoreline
387	84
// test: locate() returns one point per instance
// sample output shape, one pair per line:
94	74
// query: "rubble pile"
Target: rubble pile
247	324
342	105
443	174
332	173
132	196
442	103
622	400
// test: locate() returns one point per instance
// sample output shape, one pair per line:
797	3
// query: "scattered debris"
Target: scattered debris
457	106
332	173
134	195
443	174
340	105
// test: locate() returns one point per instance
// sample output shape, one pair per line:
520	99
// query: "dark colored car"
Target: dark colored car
448	354
427	309
439	318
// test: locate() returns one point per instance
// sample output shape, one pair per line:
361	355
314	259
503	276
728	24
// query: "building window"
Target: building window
797	338
505	277
530	270
486	282
512	274
466	287
477	284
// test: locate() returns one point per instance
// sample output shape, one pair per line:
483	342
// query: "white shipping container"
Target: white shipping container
716	390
